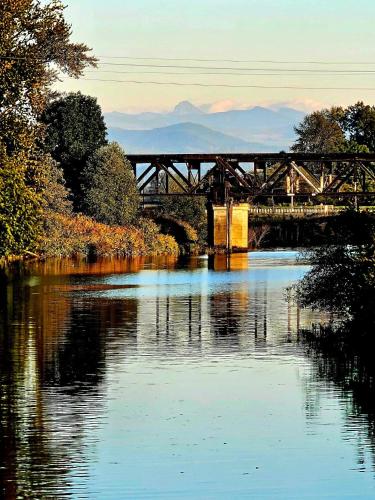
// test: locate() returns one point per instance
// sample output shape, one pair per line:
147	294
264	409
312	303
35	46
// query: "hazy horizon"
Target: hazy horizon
326	41
223	106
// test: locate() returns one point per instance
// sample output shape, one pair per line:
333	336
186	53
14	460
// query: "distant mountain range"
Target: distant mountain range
191	130
180	138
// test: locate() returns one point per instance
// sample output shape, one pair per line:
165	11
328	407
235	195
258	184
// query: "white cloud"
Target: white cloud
307	105
225	105
300	104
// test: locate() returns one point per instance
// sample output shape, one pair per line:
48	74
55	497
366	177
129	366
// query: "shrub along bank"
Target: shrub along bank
79	235
342	277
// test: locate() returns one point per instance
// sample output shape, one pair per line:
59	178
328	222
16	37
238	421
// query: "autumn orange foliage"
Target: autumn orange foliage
79	235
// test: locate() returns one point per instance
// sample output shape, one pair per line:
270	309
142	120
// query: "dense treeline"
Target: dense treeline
337	129
34	46
55	162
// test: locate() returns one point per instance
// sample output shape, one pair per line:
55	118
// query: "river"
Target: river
168	379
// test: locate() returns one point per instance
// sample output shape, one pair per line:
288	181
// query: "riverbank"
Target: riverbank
76	235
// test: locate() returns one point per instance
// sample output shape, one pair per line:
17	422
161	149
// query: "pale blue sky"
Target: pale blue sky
281	30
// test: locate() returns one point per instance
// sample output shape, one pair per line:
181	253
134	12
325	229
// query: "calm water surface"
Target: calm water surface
163	379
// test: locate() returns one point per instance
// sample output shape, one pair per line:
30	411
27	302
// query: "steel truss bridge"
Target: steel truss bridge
256	177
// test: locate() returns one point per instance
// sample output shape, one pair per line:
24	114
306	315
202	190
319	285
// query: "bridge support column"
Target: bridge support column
228	226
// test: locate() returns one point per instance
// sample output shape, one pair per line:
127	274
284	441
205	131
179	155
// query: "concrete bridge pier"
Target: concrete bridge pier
228	226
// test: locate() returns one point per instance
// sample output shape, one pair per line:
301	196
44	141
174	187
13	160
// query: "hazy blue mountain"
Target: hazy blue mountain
256	124
186	108
271	128
181	138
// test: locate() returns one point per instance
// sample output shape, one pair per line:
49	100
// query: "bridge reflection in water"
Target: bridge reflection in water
205	312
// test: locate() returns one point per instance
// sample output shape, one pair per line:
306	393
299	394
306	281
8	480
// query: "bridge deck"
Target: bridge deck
252	157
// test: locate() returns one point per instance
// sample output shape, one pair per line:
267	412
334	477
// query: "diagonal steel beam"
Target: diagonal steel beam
203	179
246	175
147	181
281	175
165	169
171	165
367	170
335	187
310	182
252	180
226	165
143	175
240	179
237	166
275	177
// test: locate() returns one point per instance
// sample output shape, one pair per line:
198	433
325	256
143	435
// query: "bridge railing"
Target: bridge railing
315	210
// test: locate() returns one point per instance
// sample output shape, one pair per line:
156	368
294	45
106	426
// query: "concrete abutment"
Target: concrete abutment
228	226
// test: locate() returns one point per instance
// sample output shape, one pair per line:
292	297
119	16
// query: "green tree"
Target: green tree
20	204
337	130
342	276
110	193
321	131
75	129
359	123
56	196
34	47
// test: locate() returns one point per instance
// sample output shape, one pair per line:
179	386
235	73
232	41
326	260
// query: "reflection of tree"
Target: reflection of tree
342	281
25	447
80	358
53	349
352	371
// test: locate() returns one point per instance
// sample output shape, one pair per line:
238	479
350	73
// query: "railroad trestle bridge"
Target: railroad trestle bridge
234	182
